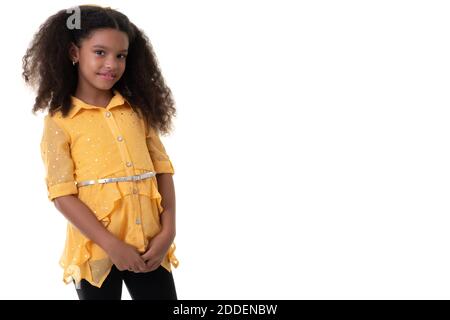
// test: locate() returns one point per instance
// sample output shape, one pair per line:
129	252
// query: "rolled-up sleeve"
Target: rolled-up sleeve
158	154
56	155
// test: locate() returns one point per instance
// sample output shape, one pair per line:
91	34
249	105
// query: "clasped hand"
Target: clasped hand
126	257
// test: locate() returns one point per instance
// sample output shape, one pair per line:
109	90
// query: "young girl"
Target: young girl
107	171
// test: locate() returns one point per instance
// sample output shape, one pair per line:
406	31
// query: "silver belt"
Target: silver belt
118	179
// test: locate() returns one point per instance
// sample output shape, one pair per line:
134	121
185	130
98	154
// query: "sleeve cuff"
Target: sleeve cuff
62	189
163	167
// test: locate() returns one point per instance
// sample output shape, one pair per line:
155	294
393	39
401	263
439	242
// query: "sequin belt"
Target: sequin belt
118	179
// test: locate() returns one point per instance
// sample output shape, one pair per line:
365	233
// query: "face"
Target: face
101	59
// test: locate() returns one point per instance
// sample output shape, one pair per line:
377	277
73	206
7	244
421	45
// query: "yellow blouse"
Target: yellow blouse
93	143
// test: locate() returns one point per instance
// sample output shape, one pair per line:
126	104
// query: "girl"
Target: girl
107	171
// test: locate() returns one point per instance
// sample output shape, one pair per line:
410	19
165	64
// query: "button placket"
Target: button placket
129	164
135	191
137	220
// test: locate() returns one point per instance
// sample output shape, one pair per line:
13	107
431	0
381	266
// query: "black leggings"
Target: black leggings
155	285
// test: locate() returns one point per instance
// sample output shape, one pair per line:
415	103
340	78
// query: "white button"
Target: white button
129	164
138	221
108	114
120	138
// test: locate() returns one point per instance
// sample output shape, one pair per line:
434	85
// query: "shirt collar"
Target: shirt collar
77	104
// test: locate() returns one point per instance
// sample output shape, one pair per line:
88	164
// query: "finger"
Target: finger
149	263
146	256
133	267
141	266
148	266
152	265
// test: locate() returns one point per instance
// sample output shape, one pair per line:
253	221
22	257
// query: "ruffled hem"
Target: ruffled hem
75	252
76	272
73	274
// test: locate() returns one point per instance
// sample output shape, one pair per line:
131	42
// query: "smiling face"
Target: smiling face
101	59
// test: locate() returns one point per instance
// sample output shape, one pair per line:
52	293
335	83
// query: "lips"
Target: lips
107	76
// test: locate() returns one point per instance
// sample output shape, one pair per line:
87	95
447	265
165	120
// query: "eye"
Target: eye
122	56
99	52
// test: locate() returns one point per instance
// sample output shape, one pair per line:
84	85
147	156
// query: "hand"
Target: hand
126	257
157	249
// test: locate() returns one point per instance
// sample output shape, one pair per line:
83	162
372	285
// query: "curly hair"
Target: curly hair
47	66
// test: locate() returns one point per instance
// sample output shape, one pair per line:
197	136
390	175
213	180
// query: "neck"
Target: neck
95	97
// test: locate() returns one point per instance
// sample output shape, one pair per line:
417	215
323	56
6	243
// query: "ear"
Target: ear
74	52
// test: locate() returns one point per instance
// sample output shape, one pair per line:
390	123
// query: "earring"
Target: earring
73	63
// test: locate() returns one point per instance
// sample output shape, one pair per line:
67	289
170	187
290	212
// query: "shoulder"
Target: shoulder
57	121
58	117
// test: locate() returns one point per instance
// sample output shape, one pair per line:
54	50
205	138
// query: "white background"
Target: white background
311	149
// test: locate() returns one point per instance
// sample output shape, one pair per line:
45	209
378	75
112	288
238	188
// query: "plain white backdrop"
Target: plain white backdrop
311	149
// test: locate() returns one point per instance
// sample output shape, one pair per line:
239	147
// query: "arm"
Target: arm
160	244
123	255
164	176
83	218
167	190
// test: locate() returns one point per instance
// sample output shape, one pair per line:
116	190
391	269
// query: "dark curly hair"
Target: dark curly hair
47	66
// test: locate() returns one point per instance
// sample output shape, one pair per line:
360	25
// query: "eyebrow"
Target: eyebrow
103	47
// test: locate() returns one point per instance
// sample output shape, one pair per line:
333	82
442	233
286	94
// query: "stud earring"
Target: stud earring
73	63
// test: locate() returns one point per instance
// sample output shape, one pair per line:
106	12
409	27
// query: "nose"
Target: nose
110	64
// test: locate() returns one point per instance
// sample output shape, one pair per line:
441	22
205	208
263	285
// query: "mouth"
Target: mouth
107	76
